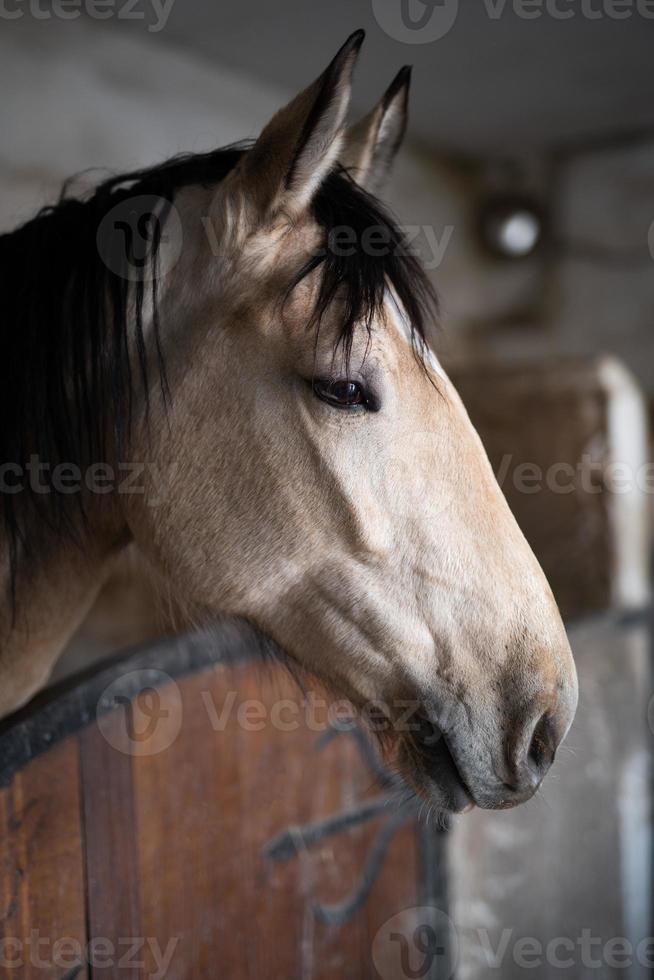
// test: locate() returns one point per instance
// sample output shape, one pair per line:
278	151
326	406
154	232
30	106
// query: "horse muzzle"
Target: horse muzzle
456	768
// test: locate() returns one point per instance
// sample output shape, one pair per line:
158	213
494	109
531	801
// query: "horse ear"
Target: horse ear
301	143
371	145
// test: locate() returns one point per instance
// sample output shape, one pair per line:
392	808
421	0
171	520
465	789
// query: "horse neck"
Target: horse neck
52	598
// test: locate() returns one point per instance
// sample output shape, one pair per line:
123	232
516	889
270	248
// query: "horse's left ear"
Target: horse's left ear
302	142
371	145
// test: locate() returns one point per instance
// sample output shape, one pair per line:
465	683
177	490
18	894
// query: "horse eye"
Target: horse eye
340	392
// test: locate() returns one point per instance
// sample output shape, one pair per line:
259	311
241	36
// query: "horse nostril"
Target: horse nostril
543	747
531	762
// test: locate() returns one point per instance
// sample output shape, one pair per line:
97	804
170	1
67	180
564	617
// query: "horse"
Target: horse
228	361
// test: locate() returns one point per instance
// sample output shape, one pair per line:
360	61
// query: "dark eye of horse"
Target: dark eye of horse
340	392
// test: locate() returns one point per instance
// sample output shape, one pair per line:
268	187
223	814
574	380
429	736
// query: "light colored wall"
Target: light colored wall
81	94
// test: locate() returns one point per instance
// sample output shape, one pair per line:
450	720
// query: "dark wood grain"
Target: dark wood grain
43	914
112	891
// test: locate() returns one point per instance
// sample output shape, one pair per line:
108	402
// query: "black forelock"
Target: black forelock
364	253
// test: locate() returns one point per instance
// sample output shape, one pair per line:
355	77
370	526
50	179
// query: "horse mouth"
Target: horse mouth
435	775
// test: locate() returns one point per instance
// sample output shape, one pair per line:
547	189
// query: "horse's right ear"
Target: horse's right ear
302	141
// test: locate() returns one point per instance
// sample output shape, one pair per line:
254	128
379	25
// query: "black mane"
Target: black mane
72	347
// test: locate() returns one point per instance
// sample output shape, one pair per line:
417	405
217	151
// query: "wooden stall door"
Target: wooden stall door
215	824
